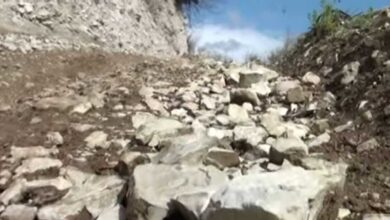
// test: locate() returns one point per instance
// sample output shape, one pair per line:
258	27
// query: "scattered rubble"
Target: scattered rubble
311	78
55	138
17	212
97	139
281	195
352	69
222	158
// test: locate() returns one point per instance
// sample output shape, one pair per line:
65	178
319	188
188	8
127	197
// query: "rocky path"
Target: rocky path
97	136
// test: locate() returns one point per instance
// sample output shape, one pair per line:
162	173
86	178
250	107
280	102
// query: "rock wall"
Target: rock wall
152	27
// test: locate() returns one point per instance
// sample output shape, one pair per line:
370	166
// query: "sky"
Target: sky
238	28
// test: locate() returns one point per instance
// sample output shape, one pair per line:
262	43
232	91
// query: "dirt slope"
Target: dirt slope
143	27
354	65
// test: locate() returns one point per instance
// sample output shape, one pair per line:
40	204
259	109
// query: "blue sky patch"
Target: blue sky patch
237	28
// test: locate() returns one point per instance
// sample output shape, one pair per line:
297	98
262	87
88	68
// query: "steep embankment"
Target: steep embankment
139	26
353	63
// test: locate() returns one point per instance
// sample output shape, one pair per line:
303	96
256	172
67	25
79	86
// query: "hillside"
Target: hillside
142	27
353	63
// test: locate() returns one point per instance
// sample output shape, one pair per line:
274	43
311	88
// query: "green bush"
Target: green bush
190	5
325	21
182	3
362	20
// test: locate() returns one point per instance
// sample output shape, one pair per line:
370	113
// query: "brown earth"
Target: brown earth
369	171
24	78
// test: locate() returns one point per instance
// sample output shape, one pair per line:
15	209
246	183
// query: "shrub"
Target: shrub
189	5
328	20
279	54
184	3
362	20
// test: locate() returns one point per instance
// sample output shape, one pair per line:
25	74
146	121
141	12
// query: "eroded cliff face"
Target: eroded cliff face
148	27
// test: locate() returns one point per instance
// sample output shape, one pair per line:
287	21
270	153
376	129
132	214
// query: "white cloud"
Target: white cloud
236	43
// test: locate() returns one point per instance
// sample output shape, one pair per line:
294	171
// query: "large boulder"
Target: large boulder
376	217
37	164
156	185
246	76
187	149
222	158
291	145
291	193
238	114
97	139
296	95
283	85
240	96
350	72
273	123
19	212
141	118
30	152
58	103
155	130
311	78
249	134
249	78
95	193
261	88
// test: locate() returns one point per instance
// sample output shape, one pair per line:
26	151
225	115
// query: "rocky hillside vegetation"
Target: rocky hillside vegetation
97	135
351	57
139	26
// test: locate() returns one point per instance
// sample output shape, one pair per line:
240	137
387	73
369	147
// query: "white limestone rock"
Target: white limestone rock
96	193
82	108
18	153
282	86
222	158
60	183
240	96
19	212
350	72
154	131
291	145
261	88
156	105
33	165
186	149
13	193
296	95
141	118
376	217
368	145
114	213
273	123
220	133
321	139
55	138
193	186
291	193
311	78
238	114
97	139
223	119
208	102
252	135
